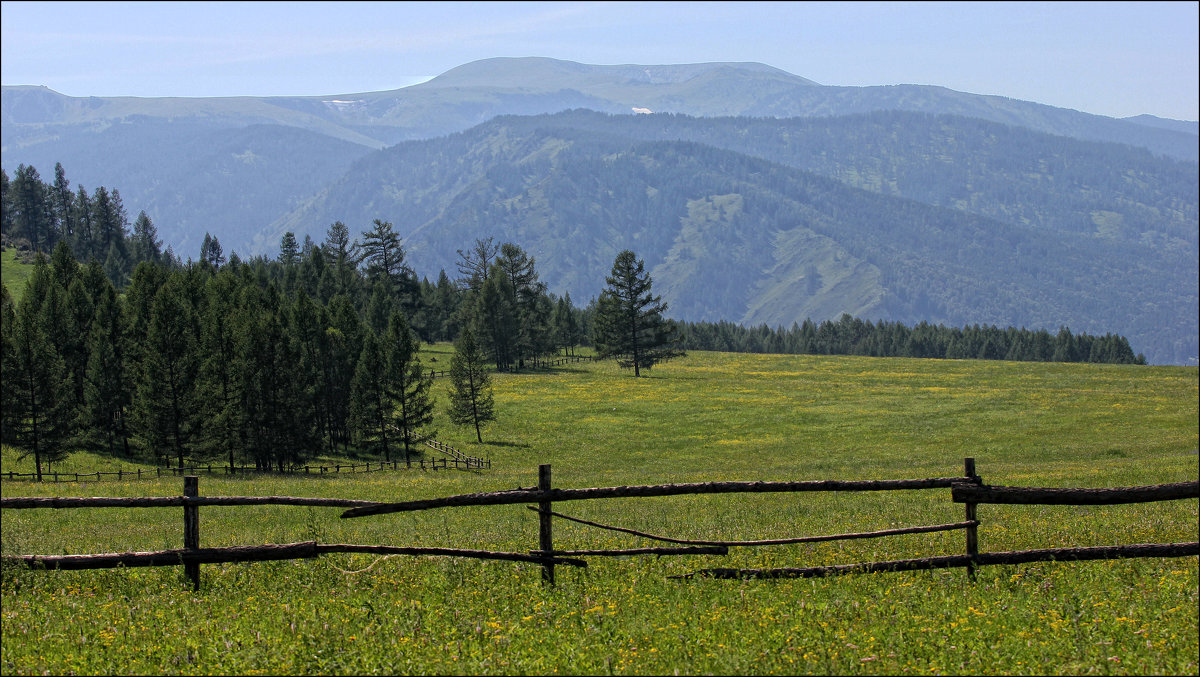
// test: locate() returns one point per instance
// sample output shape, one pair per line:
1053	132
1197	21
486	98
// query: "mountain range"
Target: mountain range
753	195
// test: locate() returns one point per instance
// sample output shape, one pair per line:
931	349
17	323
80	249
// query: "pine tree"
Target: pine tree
83	237
566	325
338	254
470	391
531	314
629	323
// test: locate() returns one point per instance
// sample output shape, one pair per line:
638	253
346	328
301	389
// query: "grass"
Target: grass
710	416
14	274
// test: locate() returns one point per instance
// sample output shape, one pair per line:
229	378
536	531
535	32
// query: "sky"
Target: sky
1109	58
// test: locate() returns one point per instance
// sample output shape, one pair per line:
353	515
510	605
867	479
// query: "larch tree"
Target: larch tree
164	403
37	398
370	407
471	401
408	385
629	323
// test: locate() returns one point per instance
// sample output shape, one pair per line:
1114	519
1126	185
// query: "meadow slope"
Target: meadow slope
706	417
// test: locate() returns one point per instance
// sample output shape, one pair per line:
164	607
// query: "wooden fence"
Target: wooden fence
462	462
533	363
468	462
967	489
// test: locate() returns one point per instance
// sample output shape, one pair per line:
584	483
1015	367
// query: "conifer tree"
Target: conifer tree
384	258
278	426
370	406
495	319
145	245
163	407
218	396
408	385
107	388
470	390
343	341
629	319
37	413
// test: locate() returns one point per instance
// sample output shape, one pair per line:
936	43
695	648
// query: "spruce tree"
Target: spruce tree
629	321
470	390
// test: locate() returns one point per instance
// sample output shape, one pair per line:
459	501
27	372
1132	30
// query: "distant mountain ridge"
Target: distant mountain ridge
475	92
727	235
1011	179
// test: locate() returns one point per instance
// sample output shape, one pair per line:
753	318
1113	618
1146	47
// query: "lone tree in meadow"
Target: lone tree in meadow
470	386
629	320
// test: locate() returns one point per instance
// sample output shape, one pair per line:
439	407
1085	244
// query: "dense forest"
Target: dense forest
271	360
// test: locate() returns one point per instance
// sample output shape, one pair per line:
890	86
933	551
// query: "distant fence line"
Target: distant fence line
533	363
463	463
967	489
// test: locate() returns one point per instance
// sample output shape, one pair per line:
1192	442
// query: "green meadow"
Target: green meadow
706	417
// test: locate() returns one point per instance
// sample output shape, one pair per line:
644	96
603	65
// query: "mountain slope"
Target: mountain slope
728	236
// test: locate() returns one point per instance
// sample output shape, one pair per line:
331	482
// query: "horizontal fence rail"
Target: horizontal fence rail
960	561
538	495
776	541
963	493
967	489
461	462
174	501
261	553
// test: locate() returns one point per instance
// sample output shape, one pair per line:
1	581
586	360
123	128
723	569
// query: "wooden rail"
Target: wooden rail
967	489
464	463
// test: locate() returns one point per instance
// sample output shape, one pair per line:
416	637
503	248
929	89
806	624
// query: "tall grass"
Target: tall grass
709	416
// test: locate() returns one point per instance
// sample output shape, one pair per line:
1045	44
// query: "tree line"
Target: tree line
200	363
853	336
271	361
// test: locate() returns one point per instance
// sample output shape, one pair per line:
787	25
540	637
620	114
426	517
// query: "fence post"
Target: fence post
191	528
972	533
545	536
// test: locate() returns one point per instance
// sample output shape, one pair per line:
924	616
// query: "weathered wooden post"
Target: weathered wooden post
191	528
545	536
972	533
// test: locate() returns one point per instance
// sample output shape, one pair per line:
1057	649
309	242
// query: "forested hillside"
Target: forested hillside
729	236
274	361
968	209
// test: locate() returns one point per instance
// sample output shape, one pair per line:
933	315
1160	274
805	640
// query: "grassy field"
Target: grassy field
14	274
710	416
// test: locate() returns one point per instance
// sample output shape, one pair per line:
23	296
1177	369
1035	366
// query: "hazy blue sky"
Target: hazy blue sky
1109	58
